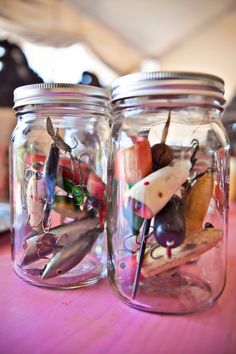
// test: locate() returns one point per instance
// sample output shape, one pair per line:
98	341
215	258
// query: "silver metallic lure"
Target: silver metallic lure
71	255
42	245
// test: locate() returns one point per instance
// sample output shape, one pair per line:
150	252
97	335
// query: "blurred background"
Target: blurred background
94	42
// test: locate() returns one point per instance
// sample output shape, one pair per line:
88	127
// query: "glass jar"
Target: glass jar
168	180
58	181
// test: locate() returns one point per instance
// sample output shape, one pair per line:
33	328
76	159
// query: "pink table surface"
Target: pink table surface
93	320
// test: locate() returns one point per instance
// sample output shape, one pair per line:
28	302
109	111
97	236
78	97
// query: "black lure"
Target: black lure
169	225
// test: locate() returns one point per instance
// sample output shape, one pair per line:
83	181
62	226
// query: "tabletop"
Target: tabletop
93	320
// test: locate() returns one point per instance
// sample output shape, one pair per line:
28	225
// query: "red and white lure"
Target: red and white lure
148	196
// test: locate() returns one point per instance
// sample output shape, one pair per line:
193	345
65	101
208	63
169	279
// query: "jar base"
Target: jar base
81	276
175	293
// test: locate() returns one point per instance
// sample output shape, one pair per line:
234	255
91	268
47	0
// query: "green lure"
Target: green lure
80	196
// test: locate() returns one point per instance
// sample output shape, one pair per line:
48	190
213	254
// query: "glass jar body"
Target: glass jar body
58	161
167	205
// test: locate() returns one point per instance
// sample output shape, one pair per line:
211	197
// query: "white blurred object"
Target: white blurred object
4	217
150	65
66	64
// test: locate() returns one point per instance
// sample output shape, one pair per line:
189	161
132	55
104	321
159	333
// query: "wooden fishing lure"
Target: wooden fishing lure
135	162
151	194
195	245
197	202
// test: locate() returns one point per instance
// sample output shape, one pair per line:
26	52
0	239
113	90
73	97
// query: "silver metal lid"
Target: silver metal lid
58	93
168	83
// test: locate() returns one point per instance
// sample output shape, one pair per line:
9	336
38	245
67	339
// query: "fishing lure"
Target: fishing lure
36	194
155	262
41	186
37	247
79	194
66	207
41	245
157	158
169	225
50	174
72	253
198	243
197	202
135	162
151	194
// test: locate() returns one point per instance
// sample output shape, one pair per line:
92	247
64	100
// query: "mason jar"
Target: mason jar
168	178
58	175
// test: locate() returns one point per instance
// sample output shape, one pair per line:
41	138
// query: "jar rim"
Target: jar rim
168	83
59	93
